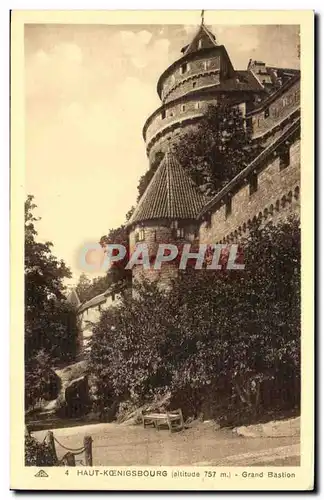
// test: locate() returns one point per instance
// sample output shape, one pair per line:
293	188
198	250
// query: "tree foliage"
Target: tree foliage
50	322
227	335
217	149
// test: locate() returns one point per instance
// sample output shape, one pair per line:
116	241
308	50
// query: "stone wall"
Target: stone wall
168	138
276	197
178	121
196	66
192	82
268	117
153	233
174	113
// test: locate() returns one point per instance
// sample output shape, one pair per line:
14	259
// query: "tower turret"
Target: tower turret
166	213
203	75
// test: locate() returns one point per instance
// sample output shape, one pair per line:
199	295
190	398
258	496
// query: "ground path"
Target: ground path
115	444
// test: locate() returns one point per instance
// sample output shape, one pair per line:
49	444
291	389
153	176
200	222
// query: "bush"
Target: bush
221	339
37	454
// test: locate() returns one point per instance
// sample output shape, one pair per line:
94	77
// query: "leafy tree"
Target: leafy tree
228	337
50	322
38	454
218	149
41	381
83	288
117	273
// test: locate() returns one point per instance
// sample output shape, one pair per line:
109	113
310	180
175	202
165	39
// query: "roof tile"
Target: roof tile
171	194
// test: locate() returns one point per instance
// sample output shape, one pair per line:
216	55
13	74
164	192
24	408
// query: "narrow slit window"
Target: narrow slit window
228	207
266	112
284	158
253	183
183	68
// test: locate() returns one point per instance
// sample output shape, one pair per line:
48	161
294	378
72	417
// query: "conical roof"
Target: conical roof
205	37
171	194
73	298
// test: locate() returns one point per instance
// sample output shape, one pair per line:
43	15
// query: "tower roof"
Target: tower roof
203	39
73	298
171	194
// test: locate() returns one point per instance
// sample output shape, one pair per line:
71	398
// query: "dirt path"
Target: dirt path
115	445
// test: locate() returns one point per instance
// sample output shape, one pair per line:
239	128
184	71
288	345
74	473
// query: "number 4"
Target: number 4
67	472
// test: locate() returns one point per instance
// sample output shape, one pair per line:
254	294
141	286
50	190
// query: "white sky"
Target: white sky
89	90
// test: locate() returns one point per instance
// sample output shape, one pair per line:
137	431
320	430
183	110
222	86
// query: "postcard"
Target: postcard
162	209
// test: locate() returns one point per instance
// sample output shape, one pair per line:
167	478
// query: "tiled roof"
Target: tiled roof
171	194
207	40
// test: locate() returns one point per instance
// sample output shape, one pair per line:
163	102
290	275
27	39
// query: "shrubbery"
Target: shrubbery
37	454
225	340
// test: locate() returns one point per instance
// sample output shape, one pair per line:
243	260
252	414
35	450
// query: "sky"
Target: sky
88	91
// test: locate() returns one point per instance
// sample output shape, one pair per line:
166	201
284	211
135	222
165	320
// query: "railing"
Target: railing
69	458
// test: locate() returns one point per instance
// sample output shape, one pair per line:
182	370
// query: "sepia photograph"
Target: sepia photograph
162	249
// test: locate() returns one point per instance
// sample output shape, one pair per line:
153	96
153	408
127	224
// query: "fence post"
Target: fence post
87	442
51	444
69	459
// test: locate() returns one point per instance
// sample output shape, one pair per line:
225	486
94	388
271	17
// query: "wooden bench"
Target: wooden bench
172	419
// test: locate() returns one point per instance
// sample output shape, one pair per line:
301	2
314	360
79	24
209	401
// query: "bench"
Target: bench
172	419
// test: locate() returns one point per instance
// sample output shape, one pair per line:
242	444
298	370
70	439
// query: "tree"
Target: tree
117	272
218	149
227	338
50	323
83	288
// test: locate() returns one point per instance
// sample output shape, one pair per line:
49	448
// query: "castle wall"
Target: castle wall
193	81
174	113
279	109
276	198
154	233
177	122
173	135
195	68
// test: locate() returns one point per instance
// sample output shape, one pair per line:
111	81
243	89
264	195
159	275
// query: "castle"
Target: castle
172	209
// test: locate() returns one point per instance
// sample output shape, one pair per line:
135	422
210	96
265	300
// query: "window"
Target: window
194	84
248	122
228	207
183	68
200	44
284	158
266	112
180	232
163	114
141	235
197	105
174	224
253	183
183	108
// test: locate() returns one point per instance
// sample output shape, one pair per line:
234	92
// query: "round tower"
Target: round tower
204	75
166	213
